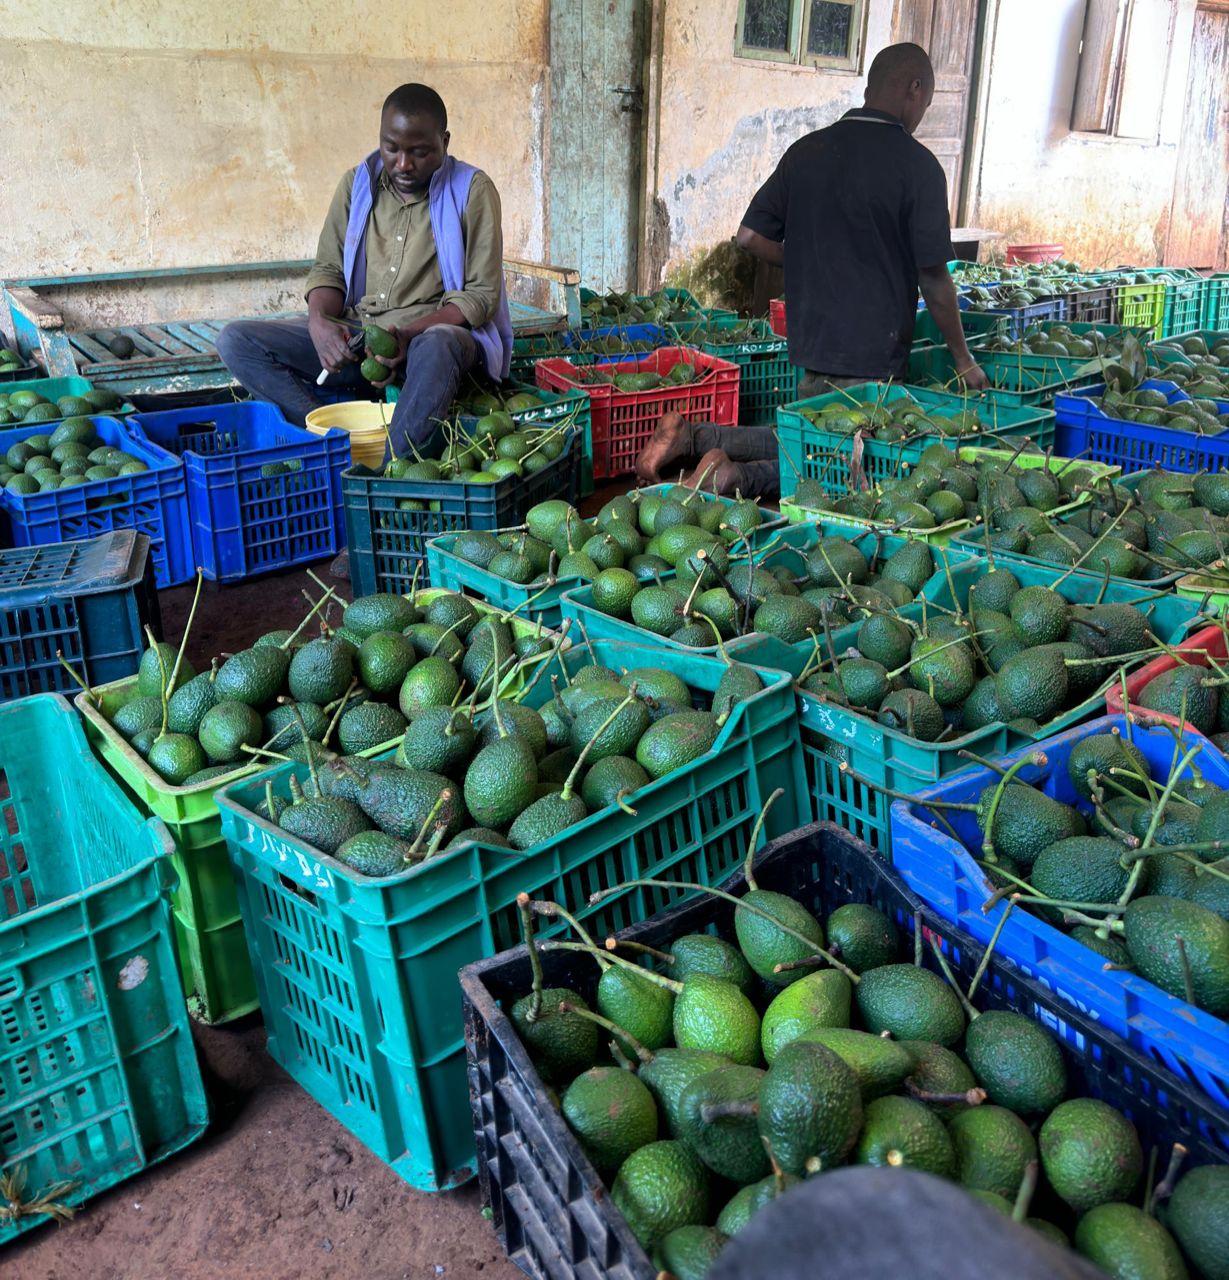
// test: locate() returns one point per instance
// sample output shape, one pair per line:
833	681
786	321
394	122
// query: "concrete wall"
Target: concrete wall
181	133
724	124
1106	200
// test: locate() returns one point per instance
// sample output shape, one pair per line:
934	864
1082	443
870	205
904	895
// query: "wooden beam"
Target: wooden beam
38	311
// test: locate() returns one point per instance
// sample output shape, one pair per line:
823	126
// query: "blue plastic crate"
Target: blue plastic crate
1085	430
579	341
945	874
88	601
1020	319
98	1073
262	494
154	503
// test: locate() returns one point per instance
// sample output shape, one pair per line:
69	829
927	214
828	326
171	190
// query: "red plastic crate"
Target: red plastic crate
1211	640
776	315
623	421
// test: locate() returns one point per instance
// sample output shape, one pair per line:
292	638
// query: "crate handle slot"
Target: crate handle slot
302	891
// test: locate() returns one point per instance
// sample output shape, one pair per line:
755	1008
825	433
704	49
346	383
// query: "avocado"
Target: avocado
936	1070
384	611
697	953
687	1253
911	1003
374	853
1090	1153
714	1015
254	676
1153	927
642	1008
368	725
402	801
612	1113
810	1108
1182	691
562	1045
1126	1242
1016	1061
901	1133
818	999
157	664
764	944
659	1188
729	1144
324	823
879	1064
993	1148
176	756
1198	1215
226	728
669	1073
675	741
861	936
138	715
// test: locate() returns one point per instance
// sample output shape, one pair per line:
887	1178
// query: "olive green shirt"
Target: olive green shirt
403	270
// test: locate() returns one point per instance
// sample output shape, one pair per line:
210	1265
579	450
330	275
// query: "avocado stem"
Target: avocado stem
648	974
1157	812
162	677
930	653
534	1012
553	910
972	1097
412	852
1165	1188
1005	891
569	785
311	755
327	598
1024	1196
740	903
89	693
183	640
1188	982
753	840
981	760
338	711
917	940
807	962
984	962
613	1028
613	943
987	848
970	1011
902	795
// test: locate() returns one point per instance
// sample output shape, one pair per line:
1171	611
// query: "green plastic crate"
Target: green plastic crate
98	1073
1018	380
792	545
213	949
358	977
976	324
1216	303
943	535
1185	305
804	450
832	735
767	380
530	601
54	389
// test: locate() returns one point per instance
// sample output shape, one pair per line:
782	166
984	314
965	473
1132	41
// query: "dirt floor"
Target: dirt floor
277	1189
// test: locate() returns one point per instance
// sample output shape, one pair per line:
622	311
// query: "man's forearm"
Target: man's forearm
449	313
325	301
770	251
940	294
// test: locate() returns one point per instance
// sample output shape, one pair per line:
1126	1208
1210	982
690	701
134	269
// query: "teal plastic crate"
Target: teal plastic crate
791	546
767	379
976	325
535	601
833	735
1184	306
1017	380
806	451
358	977
98	1074
54	389
1216	304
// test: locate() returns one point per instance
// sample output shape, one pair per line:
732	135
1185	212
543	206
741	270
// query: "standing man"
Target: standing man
857	215
412	242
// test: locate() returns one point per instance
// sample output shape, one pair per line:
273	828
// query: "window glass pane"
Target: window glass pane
1143	73
766	24
831	29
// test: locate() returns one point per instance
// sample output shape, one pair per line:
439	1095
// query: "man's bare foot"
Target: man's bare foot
715	473
667	445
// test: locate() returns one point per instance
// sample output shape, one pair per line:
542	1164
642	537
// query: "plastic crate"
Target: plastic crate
154	503
447	569
1085	430
834	735
1216	304
976	324
776	316
53	389
1184	307
1209	588
528	350
623	421
1015	381
1140	306
577	342
87	601
1020	319
26	373
245	521
942	871
552	1212
1091	306
767	380
98	1074
791	546
357	976
390	522
213	948
1205	644
806	451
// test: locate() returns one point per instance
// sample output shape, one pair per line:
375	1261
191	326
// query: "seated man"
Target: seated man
413	243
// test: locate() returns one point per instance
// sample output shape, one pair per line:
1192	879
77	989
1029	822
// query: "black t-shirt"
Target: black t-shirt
860	205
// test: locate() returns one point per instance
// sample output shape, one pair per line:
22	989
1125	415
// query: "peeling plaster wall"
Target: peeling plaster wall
726	121
178	133
1106	200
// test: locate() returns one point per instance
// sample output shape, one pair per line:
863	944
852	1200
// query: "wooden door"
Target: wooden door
947	30
1199	221
597	77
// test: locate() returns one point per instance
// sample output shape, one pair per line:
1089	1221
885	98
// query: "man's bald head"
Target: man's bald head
901	81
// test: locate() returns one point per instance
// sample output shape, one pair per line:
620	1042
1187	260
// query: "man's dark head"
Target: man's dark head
901	81
413	136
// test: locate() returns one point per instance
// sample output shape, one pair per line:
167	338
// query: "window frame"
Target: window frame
799	30
1116	78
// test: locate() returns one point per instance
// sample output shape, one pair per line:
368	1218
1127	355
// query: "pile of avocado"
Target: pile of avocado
1129	827
1057	340
709	1084
1200	412
10	360
486	444
631	308
1209	360
26	406
1011	296
896	420
557	542
502	773
1017	655
680	374
348	687
73	454
941	489
1167	522
1056	273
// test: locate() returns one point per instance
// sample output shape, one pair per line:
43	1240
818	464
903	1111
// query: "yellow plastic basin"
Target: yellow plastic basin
365	420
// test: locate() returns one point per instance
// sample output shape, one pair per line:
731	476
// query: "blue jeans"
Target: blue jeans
275	360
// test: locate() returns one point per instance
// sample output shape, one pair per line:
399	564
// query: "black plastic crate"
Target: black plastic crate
390	522
551	1210
1090	306
89	601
